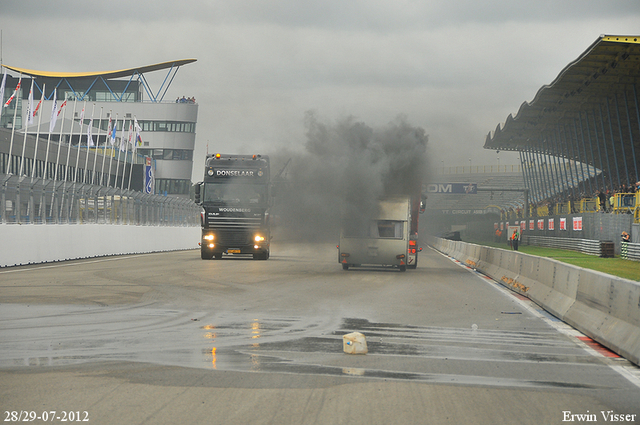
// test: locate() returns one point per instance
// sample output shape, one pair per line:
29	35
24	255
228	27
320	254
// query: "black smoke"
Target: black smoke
345	167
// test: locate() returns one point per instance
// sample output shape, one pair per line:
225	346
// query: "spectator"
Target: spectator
602	198
626	237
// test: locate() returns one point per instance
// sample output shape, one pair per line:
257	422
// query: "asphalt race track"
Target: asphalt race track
169	338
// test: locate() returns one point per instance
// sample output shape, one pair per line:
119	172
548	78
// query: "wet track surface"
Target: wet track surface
441	324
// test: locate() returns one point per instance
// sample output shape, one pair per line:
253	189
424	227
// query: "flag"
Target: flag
4	82
61	106
130	135
30	105
82	117
136	126
109	128
8	102
90	142
54	112
123	140
113	132
35	111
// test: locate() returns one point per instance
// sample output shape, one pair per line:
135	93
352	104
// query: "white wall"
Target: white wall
30	244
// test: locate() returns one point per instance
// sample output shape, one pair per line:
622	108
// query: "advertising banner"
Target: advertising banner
577	223
149	178
468	188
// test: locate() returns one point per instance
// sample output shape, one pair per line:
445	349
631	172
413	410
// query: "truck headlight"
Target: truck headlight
258	238
208	237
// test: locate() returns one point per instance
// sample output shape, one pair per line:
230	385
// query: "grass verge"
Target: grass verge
627	269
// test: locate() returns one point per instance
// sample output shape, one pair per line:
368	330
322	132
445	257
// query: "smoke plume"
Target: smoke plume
345	167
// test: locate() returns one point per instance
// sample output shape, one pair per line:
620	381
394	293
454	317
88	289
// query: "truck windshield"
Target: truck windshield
231	193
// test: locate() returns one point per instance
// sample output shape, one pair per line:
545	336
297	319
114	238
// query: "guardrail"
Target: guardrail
586	246
630	251
602	306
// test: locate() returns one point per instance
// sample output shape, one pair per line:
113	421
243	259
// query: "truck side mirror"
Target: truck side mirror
197	193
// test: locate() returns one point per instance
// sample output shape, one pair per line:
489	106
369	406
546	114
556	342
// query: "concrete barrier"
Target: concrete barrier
604	307
32	244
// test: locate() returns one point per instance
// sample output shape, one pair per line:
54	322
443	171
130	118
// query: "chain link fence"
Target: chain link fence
25	200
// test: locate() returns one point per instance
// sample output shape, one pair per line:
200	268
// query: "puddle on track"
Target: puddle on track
54	336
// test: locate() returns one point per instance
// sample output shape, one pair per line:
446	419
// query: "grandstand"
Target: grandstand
577	139
581	133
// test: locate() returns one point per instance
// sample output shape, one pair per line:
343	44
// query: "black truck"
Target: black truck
235	199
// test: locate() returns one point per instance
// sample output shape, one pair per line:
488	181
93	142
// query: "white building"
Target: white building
168	126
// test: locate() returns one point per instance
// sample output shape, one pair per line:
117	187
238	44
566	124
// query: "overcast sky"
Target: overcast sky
456	68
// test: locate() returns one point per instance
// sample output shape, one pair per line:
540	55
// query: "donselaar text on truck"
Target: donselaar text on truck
235	201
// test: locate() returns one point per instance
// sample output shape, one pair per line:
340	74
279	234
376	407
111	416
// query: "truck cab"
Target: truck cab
235	200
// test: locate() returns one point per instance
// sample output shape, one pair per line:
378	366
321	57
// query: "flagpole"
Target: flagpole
13	125
112	142
25	126
55	176
115	186
133	149
126	152
89	141
95	151
35	155
46	156
66	169
35	151
2	85
53	112
75	175
104	150
78	149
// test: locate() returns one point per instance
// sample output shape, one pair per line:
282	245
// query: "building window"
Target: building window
173	186
167	154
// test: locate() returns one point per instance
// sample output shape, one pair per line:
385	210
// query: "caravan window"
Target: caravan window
387	229
377	229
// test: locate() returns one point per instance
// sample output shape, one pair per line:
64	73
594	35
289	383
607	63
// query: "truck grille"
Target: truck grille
240	223
233	239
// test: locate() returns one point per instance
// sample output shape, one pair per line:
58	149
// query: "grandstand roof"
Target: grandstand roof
104	74
605	75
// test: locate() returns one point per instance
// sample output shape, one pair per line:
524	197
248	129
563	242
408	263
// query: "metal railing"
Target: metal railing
586	246
630	251
44	201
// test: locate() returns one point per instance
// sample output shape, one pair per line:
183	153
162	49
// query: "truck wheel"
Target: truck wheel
403	268
345	266
218	255
205	254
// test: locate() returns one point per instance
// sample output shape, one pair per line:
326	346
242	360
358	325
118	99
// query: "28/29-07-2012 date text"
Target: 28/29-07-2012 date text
46	416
